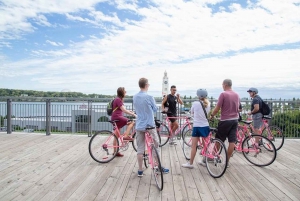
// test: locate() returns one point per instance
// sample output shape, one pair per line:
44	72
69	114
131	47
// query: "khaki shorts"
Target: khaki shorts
140	140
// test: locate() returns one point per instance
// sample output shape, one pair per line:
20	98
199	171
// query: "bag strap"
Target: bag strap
113	106
203	108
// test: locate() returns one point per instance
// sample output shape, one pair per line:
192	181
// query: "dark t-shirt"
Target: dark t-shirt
256	100
172	104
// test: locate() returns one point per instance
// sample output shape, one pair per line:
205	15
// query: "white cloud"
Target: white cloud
54	43
197	47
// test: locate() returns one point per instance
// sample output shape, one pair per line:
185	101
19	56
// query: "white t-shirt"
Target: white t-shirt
199	115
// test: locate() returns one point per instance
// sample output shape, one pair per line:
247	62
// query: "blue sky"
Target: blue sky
95	46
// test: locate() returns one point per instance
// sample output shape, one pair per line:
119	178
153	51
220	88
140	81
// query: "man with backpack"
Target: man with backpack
256	107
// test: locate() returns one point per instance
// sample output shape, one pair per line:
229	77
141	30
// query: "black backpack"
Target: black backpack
109	107
265	109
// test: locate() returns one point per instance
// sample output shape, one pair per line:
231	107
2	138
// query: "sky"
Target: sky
96	46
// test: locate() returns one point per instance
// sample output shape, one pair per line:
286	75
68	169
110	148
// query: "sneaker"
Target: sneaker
187	165
119	154
140	173
165	170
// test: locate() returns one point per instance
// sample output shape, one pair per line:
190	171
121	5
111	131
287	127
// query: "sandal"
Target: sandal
119	154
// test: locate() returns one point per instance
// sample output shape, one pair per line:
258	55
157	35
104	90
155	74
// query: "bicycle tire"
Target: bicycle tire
216	160
146	159
185	128
276	137
157	168
187	145
263	155
101	148
164	134
134	145
187	136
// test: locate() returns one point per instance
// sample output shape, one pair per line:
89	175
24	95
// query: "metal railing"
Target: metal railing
88	115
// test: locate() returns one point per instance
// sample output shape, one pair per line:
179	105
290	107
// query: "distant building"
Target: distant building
165	85
23	95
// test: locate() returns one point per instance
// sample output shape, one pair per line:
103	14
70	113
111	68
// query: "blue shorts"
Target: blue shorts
200	131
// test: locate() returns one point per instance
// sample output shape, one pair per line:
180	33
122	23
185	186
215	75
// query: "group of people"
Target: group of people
145	106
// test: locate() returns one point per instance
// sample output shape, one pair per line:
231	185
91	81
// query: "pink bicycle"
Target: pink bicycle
213	149
260	154
151	157
165	127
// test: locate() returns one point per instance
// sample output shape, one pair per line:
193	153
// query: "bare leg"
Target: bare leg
129	127
230	149
140	161
174	127
194	149
257	131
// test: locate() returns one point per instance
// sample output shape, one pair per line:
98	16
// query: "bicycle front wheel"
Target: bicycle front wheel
134	144
262	155
164	134
216	158
103	146
187	144
274	134
157	168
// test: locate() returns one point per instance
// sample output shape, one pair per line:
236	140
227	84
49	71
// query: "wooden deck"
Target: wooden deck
59	167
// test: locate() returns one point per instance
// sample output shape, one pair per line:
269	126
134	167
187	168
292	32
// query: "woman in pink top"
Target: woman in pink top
118	110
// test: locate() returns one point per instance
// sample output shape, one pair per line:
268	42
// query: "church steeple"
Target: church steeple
165	84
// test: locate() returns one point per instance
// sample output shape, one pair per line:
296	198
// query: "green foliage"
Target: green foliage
288	122
31	93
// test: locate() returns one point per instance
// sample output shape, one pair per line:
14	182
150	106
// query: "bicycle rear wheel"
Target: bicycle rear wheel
216	158
274	134
146	159
262	155
186	128
101	147
187	144
164	134
157	168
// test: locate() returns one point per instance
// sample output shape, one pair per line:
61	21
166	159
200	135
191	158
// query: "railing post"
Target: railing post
8	116
48	116
89	118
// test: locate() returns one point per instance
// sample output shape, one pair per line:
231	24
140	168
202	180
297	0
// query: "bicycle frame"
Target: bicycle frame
149	142
179	129
240	138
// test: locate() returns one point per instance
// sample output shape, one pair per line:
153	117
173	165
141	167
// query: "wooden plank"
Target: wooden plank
168	191
58	167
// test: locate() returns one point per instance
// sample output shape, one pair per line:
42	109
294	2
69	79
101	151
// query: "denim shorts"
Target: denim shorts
200	131
257	120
